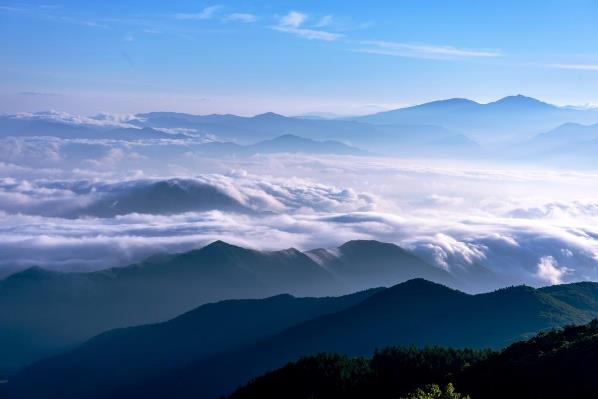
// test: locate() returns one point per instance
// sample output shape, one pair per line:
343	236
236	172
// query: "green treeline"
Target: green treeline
561	363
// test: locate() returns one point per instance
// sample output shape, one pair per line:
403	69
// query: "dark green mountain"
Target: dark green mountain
557	364
390	373
417	312
120	356
43	312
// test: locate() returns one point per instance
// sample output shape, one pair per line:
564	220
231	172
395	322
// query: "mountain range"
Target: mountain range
43	312
512	117
514	126
209	351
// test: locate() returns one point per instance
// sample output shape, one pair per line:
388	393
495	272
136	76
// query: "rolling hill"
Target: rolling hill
44	312
556	364
416	312
116	357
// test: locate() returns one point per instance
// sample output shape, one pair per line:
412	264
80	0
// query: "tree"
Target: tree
433	391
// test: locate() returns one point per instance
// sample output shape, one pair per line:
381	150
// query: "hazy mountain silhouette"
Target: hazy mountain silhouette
119	356
388	139
363	264
291	143
510	117
42	312
162	197
416	312
26	127
570	144
283	144
566	134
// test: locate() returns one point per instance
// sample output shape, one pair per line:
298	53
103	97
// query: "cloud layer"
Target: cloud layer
87	204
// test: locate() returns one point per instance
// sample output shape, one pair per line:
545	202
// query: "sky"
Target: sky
248	57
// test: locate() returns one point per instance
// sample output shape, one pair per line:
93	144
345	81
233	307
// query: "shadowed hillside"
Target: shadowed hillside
418	313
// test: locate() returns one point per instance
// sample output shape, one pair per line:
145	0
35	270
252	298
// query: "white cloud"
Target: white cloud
579	67
293	23
549	270
293	19
455	215
241	17
99	120
325	21
310	33
206	13
425	51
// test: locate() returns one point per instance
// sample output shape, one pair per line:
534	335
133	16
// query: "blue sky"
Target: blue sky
291	57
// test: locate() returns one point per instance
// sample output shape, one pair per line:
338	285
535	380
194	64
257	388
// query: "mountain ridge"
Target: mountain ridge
391	316
166	285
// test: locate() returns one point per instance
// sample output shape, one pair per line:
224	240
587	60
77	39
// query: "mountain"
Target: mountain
569	145
510	118
520	103
47	125
36	305
436	128
361	264
283	144
44	312
566	134
291	143
268	132
556	364
161	197
416	312
384	139
390	373
119	356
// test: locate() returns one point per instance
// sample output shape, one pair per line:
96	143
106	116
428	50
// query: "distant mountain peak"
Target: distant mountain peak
419	282
450	102
220	245
290	251
291	137
367	244
520	100
32	273
269	115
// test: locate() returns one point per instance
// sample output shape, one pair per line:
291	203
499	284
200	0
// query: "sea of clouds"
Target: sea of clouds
530	226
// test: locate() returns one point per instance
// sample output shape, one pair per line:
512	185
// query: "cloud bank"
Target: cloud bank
88	204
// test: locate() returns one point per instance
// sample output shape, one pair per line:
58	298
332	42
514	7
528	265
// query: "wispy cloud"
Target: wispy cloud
241	17
293	19
425	51
580	67
12	9
89	24
206	13
50	12
294	23
326	20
